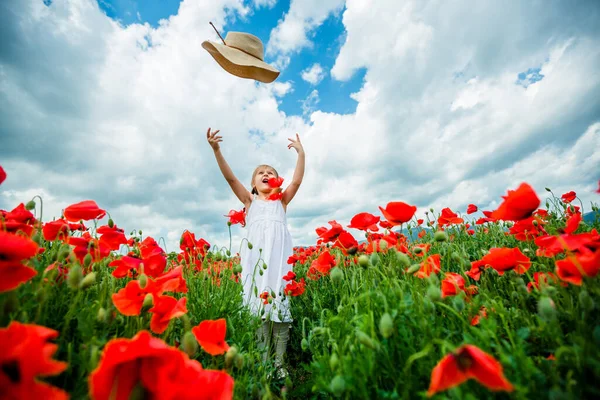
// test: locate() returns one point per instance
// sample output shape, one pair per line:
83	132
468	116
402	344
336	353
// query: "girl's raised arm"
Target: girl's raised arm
238	189
293	187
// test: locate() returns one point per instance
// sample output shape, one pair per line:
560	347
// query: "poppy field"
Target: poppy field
481	304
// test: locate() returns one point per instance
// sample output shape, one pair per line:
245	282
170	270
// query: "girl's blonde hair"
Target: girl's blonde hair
254	191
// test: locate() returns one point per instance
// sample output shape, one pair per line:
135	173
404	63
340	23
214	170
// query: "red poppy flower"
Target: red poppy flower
577	266
14	250
84	210
210	334
541	279
324	263
398	212
422	233
290	276
26	354
504	259
569	196
265	296
295	288
476	268
468	362
165	309
527	229
275	196
598	191
172	281
237	217
275	182
55	230
329	235
2	175
572	223
346	243
125	266
448	217
364	221
432	264
420	221
452	284
477	318
385	225
471	208
518	204
112	238
550	246
130	299
20	214
162	371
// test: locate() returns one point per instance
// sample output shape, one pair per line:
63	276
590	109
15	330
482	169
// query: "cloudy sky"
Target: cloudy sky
434	103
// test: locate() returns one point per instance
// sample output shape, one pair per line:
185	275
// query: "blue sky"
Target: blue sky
334	96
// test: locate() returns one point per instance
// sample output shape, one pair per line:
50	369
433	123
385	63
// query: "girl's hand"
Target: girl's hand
296	144
213	139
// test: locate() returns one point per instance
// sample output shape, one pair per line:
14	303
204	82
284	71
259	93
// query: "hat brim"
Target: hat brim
240	64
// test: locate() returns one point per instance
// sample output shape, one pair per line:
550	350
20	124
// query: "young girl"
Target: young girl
271	246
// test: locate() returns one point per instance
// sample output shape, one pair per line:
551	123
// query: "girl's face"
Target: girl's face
261	180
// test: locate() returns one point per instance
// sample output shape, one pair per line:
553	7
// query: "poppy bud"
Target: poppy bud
94	357
138	392
230	356
304	344
334	361
228	223
250	246
336	275
386	325
140	232
434	280
264	265
143	281
434	293
87	260
337	385
417	250
228	253
374	259
548	190
403	260
586	302
458	303
190	344
366	340
239	361
30	205
440	236
413	268
363	261
88	280
431	209
260	272
111	223
237	268
75	276
383	244
546	308
102	314
148	302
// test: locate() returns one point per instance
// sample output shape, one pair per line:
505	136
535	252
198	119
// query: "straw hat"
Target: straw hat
242	55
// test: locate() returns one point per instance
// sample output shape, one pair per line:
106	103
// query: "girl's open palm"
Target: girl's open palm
213	139
296	144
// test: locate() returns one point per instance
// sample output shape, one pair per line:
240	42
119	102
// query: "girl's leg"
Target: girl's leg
264	338
281	336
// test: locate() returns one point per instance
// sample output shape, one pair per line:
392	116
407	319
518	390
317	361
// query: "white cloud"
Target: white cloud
292	32
310	103
313	75
264	3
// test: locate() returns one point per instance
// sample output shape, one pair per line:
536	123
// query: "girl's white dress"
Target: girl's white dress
272	243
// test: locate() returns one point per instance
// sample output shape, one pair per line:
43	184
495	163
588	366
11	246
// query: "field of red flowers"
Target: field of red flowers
502	305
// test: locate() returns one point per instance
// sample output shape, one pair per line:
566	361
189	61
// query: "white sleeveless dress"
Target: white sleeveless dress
267	231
